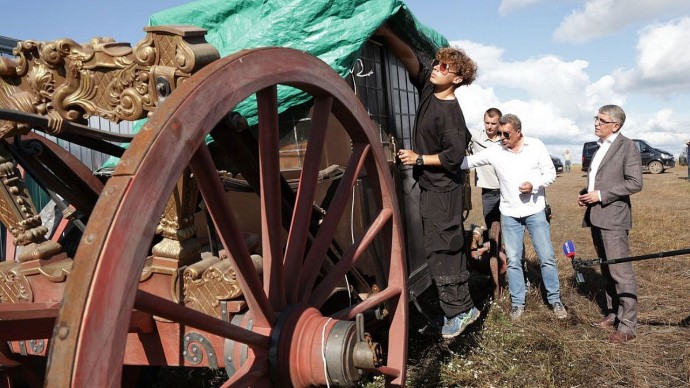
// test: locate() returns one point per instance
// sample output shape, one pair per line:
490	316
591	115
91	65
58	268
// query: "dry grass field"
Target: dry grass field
540	351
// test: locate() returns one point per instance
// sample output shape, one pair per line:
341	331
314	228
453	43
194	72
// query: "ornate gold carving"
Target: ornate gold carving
14	287
68	81
177	224
55	269
208	282
18	213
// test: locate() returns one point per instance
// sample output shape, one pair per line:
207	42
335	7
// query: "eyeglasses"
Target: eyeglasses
442	67
504	134
597	120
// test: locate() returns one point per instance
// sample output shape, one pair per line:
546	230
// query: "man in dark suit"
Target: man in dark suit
615	174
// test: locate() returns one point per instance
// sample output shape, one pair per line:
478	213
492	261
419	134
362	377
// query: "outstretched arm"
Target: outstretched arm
400	49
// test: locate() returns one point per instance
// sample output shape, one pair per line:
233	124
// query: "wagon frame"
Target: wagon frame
158	270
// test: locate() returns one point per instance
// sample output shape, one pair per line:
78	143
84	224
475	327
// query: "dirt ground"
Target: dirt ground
542	351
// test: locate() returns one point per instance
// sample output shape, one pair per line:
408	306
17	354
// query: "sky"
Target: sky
553	63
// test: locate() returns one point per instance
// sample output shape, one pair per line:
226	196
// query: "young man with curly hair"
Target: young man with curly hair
440	139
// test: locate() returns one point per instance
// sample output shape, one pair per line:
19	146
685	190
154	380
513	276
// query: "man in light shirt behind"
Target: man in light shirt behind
486	179
524	168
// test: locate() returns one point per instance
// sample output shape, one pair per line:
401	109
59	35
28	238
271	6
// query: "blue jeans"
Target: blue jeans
540	234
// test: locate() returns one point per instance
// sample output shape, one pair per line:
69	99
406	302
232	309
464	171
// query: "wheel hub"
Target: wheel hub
310	349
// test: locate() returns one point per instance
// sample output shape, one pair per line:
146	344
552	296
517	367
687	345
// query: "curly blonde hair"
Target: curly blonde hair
460	62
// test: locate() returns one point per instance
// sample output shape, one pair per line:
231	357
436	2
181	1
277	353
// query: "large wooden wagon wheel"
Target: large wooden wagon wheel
291	341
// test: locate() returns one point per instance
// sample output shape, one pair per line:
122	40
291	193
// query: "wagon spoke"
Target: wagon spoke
323	238
397	350
370	303
301	218
226	226
271	218
179	313
336	274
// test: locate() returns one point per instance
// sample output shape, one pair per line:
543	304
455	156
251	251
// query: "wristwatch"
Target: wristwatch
420	160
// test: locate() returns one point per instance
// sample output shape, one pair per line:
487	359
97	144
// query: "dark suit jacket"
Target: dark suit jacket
619	175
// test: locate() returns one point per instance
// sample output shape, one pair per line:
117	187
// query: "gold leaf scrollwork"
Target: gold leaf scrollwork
14	287
145	53
208	282
131	105
184	56
103	78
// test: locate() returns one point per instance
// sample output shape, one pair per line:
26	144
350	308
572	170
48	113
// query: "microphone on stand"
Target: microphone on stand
569	251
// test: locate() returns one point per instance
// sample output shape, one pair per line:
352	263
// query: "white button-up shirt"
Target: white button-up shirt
604	146
531	163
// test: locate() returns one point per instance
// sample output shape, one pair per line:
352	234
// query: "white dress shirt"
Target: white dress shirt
531	163
604	146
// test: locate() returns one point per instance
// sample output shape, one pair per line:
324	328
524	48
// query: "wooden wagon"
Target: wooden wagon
274	250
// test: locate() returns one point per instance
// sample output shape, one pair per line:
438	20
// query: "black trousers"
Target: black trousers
444	245
491	199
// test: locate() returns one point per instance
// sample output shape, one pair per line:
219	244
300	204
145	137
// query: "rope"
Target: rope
323	352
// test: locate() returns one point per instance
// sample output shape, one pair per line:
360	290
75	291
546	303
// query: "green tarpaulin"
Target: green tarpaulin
334	31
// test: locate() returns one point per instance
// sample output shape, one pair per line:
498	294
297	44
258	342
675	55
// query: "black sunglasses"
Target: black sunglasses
504	134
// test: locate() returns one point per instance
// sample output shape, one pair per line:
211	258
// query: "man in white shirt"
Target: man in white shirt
486	179
524	168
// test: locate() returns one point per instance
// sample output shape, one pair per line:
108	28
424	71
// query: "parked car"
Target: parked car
557	164
654	160
683	157
588	150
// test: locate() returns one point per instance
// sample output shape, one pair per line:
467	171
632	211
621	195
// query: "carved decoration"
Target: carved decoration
208	282
14	287
19	215
195	346
177	224
69	81
37	346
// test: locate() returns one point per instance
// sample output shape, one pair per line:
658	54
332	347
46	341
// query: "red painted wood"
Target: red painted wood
299	230
271	219
231	238
317	254
25	321
349	259
92	329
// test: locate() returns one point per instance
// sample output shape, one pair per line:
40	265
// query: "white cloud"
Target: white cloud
556	101
602	92
660	130
662	60
664	121
605	17
560	91
662	52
